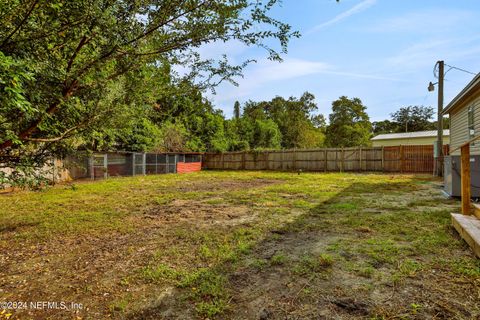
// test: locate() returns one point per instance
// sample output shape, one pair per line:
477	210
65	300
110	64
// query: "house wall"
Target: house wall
409	141
459	127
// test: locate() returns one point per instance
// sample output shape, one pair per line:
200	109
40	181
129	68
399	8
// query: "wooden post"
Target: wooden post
267	162
465	178
439	143
383	159
294	156
243	160
337	165
223	161
360	158
342	163
401	158
325	162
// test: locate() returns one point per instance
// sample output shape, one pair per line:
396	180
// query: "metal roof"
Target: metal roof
464	94
409	135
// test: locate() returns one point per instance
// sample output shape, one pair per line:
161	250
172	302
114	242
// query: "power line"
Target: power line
459	69
450	68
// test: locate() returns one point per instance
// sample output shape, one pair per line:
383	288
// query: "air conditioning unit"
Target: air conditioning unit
452	177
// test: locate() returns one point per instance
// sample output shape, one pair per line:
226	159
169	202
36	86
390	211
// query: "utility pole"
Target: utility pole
439	143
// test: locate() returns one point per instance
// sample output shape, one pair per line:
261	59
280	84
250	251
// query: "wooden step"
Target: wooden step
469	229
476	209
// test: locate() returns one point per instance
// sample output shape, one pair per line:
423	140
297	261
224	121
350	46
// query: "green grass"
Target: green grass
376	229
310	265
278	258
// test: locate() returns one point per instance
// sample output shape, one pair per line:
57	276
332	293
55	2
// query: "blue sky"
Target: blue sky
381	51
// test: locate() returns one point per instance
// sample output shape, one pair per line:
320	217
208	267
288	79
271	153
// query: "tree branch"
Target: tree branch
49	33
20	24
67	92
179	44
83	41
163	23
143	35
60	137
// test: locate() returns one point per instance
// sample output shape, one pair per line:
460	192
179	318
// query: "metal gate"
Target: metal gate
99	166
138	163
171	163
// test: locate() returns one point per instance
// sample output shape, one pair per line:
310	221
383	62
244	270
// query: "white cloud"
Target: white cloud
266	75
214	50
344	15
362	75
419	54
426	53
290	68
268	72
427	21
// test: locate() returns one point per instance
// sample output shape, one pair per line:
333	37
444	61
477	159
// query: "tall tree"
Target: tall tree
236	110
68	58
349	124
266	135
414	118
294	117
386	126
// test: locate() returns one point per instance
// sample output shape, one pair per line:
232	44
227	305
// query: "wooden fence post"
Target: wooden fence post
337	165
401	158
465	178
360	158
243	159
342	163
325	159
383	159
294	157
267	161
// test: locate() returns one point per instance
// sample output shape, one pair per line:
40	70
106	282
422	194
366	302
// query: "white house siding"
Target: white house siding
459	127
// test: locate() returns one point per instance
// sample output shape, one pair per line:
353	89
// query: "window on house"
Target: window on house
471	123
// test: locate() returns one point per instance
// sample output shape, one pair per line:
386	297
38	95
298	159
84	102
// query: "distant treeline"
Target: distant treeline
185	121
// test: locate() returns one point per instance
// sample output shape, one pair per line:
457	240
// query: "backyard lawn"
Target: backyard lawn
238	245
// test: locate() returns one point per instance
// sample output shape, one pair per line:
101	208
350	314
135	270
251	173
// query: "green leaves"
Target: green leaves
294	118
349	124
14	98
97	74
79	49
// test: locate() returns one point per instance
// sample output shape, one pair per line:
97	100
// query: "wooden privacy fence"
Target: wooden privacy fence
417	159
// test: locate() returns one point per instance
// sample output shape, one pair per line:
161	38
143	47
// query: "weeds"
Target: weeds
311	264
278	259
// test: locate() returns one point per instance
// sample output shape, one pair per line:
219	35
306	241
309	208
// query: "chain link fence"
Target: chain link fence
114	164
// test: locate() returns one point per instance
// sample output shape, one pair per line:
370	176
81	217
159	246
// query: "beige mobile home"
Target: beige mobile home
409	138
464	113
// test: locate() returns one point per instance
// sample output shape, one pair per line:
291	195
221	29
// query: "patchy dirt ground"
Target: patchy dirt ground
237	245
